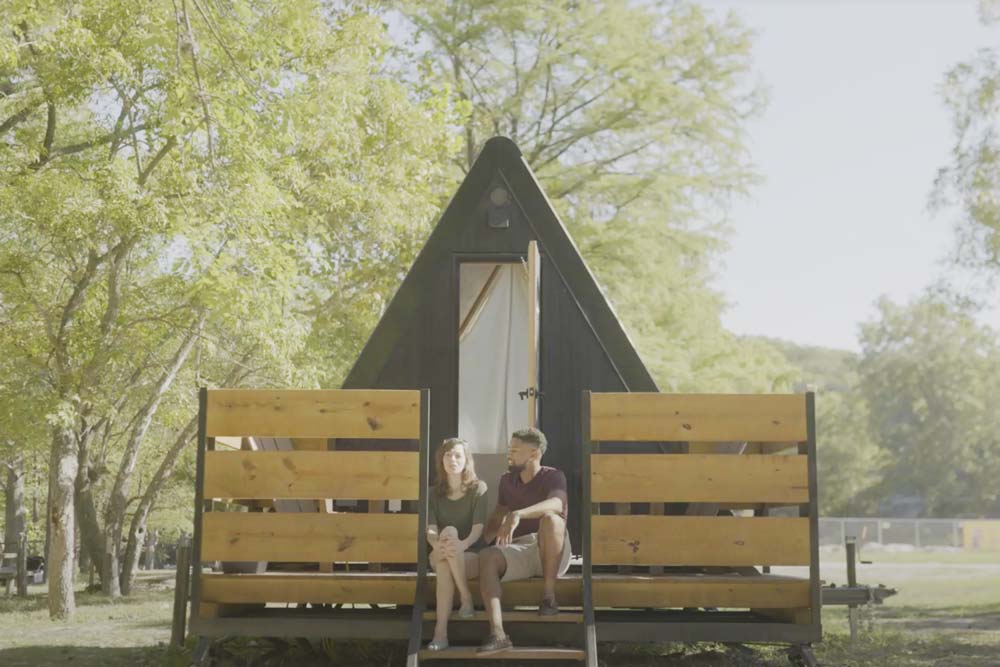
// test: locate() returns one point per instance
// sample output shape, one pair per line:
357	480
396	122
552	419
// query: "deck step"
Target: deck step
516	653
514	617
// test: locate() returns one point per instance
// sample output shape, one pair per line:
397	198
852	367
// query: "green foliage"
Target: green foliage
632	116
822	368
247	174
850	462
930	374
971	90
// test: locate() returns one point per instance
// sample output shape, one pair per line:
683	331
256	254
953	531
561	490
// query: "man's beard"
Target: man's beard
515	468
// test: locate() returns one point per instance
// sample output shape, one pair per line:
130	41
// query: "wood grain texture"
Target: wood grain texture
303	413
719	478
680	591
697	417
249	536
610	590
312	475
699	540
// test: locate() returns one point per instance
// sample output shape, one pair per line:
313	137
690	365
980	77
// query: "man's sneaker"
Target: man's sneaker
495	644
548	607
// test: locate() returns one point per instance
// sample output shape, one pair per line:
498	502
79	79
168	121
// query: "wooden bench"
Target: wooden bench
17	567
350	600
701	575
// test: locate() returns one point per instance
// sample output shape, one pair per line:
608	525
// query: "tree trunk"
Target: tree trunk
114	522
85	560
91	538
152	537
48	533
15	517
15	523
62	479
110	569
142	511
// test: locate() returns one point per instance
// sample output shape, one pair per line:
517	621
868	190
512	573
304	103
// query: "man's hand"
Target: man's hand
506	533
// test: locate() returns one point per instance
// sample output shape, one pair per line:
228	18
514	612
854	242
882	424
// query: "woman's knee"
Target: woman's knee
449	531
438	561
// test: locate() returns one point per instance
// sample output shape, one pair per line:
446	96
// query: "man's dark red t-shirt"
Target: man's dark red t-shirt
514	494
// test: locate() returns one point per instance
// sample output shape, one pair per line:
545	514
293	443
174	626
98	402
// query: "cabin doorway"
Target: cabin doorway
498	358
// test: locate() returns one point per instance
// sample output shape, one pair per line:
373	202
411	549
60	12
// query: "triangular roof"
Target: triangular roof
501	162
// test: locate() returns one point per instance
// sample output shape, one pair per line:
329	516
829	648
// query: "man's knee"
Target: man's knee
491	561
551	523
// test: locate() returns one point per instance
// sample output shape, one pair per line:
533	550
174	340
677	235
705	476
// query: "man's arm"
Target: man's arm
553	504
493	524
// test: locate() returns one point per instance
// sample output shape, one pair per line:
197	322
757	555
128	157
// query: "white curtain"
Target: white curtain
493	355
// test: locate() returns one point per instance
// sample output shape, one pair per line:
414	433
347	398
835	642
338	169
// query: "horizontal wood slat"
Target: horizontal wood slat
679	591
303	413
697	478
699	417
610	590
360	588
322	588
312	474
699	540
517	653
250	536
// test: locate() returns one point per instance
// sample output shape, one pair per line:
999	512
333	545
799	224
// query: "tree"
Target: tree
850	463
972	180
632	115
186	187
930	373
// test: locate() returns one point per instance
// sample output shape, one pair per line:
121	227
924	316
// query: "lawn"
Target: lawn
947	614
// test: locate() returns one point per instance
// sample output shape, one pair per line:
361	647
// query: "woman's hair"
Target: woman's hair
469	479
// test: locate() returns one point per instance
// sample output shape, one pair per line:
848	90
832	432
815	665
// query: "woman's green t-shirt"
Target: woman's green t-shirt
463	513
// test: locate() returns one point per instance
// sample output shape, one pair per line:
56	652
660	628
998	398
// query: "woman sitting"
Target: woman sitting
456	513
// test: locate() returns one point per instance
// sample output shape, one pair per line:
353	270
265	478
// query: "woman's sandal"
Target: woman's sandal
437	646
466	613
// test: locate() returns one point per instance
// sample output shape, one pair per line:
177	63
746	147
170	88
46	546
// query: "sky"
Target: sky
848	148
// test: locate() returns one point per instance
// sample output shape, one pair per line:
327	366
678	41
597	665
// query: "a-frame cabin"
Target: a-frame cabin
462	325
499	305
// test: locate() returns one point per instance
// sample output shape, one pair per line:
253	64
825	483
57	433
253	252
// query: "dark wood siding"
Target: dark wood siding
572	360
583	346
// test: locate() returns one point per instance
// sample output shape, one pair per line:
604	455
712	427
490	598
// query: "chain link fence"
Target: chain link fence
964	534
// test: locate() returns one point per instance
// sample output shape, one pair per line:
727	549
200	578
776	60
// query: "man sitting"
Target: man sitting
529	524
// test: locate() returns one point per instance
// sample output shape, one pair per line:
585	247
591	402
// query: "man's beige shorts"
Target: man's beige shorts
524	561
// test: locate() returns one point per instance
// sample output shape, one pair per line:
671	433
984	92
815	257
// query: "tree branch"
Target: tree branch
73	305
144	174
50	130
117	504
17	118
82	146
202	95
103	347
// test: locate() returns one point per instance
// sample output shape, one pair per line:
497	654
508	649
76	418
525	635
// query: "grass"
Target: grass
130	632
947	614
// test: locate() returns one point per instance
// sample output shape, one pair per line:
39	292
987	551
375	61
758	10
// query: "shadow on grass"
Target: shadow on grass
901	649
245	653
160	623
973	618
40	601
84	656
